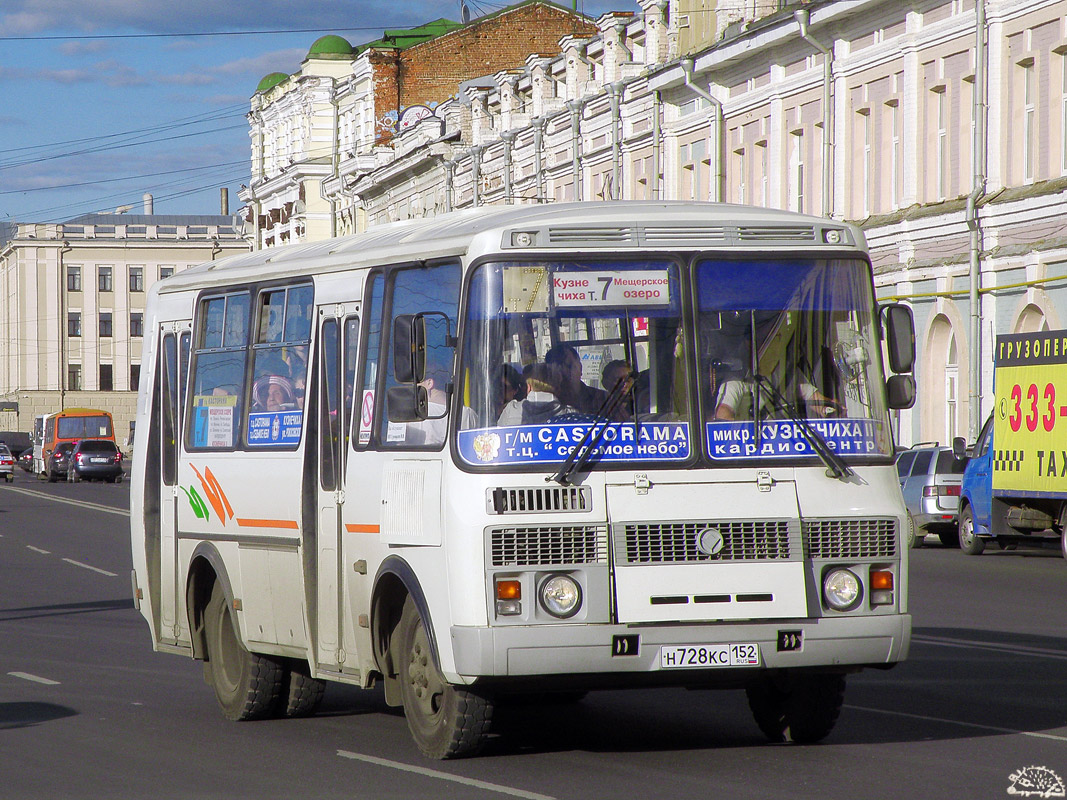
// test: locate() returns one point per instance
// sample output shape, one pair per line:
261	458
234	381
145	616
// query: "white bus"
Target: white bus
537	449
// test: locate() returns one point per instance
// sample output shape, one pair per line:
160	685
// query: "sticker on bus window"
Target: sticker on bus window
650	287
785	439
213	420
366	416
621	441
272	428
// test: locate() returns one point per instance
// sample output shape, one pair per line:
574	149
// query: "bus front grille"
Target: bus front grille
546	499
850	538
682	542
549	545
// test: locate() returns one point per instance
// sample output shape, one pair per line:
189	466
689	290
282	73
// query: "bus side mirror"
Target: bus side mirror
901	391
900	338
409	348
407	403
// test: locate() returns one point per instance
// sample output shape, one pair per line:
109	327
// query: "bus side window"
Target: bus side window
280	366
350	353
218	372
363	403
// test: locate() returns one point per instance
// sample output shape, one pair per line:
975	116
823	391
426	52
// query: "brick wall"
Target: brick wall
431	72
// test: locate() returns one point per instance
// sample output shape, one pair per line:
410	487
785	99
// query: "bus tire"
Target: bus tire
247	685
803	707
970	542
301	694
445	721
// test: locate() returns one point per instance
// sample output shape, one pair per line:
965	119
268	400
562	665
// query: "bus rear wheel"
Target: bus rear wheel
803	707
246	685
446	721
301	694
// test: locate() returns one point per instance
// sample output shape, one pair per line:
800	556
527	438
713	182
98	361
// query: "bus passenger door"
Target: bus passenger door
174	365
336	351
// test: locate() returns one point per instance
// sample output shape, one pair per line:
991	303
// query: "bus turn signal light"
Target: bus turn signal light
881	587
508	590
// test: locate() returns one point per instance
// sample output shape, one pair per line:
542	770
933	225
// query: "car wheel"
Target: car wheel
247	685
52	477
1063	542
118	478
970	542
446	721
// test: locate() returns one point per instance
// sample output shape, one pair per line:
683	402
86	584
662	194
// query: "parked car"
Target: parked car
930	478
7	463
59	461
25	459
95	459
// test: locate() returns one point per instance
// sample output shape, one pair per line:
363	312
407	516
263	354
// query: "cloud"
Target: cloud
90	48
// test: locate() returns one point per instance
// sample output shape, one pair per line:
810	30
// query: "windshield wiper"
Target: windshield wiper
601	419
836	466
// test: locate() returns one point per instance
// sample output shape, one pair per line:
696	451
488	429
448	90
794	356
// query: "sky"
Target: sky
102	101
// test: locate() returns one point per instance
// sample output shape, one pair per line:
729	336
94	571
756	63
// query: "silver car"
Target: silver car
7	463
930	478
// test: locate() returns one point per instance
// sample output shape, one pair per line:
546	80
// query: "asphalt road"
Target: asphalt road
87	710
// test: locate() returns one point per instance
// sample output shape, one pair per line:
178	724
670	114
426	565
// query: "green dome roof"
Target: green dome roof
270	81
330	45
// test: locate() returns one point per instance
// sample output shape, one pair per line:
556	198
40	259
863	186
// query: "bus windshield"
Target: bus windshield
597	354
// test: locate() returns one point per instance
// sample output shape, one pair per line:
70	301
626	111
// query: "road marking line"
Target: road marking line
430	773
94	569
991	728
28	677
79	503
38	550
1040	652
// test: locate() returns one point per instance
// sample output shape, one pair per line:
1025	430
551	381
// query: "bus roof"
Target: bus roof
620	224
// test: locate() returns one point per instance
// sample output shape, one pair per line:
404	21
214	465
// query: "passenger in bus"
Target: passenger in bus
509	385
273	393
731	398
541	402
572	390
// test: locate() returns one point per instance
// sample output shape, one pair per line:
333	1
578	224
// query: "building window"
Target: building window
103	279
952	379
105	324
1029	132
796	171
136	279
136	323
765	173
740	175
866	167
135	376
1063	111
74	377
107	378
895	163
74	279
74	323
165	272
942	141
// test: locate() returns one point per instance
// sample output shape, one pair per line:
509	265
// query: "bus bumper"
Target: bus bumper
598	649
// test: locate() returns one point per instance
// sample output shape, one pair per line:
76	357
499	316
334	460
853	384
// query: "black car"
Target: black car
58	461
25	459
95	459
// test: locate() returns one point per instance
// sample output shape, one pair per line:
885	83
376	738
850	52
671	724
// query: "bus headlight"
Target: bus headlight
560	596
842	589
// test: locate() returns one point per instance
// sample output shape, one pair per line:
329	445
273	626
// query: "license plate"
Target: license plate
98	460
704	656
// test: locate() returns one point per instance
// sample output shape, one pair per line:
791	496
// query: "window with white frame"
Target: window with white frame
866	178
765	173
952	380
796	171
739	159
895	163
1029	119
941	121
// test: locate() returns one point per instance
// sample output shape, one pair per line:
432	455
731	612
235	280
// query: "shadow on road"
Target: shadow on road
63	609
25	715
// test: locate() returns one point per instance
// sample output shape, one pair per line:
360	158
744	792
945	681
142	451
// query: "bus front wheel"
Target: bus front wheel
803	707
247	685
446	721
970	542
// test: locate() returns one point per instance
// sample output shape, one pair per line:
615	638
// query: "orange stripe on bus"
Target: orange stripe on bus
267	523
352	528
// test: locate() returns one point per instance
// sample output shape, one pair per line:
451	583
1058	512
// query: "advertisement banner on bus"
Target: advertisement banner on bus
525	444
786	439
